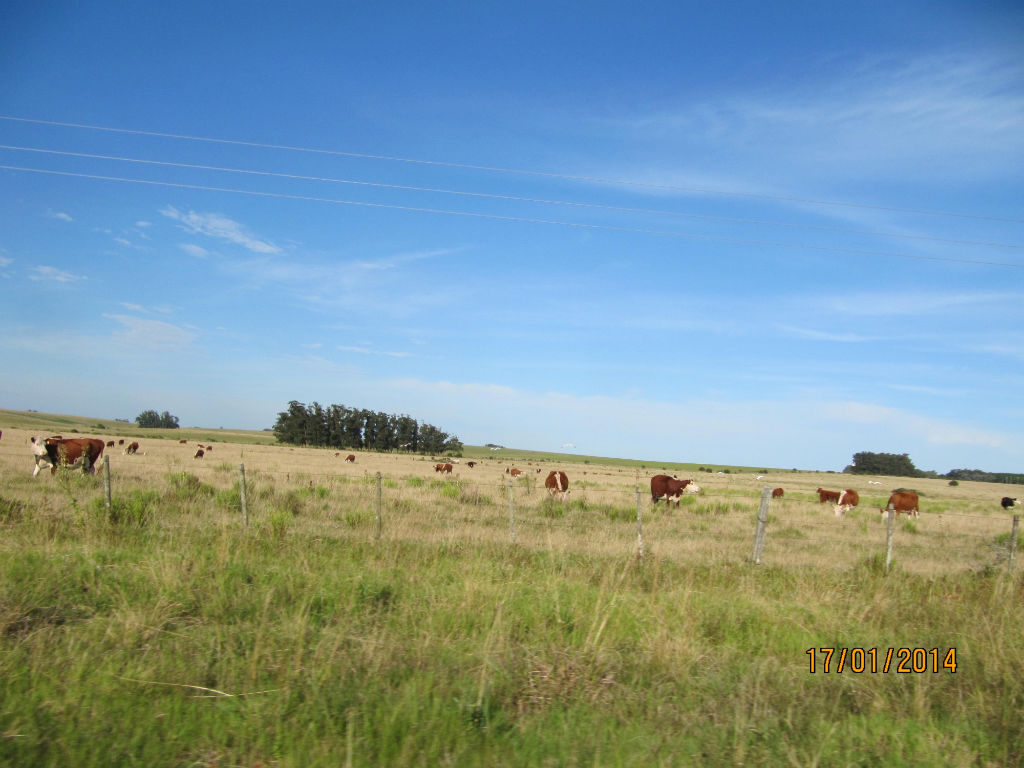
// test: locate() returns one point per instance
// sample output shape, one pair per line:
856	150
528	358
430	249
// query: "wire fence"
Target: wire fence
720	523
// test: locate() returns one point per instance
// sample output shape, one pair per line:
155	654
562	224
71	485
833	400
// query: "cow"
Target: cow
54	451
514	472
824	496
199	453
669	488
470	464
438	467
131	449
1007	502
445	469
777	493
351	458
557	483
121	441
848	499
208	448
110	443
903	501
182	442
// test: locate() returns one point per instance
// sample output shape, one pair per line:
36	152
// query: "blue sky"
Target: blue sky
725	233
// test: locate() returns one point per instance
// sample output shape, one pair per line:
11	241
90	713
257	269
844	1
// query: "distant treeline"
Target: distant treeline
899	464
337	426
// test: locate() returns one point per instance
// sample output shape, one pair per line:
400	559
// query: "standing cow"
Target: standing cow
557	483
670	488
1007	502
824	496
903	501
848	499
54	451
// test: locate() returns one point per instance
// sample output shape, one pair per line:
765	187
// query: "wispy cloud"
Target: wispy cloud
151	334
909	302
221	227
815	335
52	274
194	250
59	215
368	351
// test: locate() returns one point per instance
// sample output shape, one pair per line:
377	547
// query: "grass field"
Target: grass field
478	629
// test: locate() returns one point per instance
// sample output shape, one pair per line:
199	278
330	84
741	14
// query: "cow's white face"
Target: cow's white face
38	447
691	488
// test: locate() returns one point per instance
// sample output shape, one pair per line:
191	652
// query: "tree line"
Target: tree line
152	419
899	464
338	426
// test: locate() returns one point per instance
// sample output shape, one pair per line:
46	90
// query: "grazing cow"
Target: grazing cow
121	441
351	458
1007	502
131	449
470	464
183	442
668	488
199	453
54	451
903	501
777	493
848	499
824	496
557	483
438	467
208	448
514	472
337	454
110	443
445	469
539	470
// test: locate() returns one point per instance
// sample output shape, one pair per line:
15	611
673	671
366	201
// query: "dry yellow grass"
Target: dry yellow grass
961	528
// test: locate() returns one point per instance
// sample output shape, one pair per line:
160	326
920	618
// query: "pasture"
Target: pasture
486	624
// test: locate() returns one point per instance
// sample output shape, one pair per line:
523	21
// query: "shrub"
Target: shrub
133	511
187	487
11	510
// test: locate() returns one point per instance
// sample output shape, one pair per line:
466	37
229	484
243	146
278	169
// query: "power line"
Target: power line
518	219
518	171
511	198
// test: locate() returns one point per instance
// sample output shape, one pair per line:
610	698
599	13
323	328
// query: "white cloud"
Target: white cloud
59	215
807	333
194	250
52	274
123	241
219	226
143	223
151	334
132	307
5	262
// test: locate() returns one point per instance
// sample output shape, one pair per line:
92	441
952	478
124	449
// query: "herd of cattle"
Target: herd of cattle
57	450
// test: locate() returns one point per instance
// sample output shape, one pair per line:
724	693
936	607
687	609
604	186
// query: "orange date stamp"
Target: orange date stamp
884	660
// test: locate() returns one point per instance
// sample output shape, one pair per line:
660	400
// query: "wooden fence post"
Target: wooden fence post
511	514
241	494
1013	540
380	494
762	524
106	480
639	525
888	537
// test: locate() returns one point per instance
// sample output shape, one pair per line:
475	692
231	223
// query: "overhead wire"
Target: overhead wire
507	198
519	219
518	171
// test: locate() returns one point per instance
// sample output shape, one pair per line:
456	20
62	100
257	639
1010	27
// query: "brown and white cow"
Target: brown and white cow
557	483
54	451
514	472
670	488
351	458
199	453
848	499
443	468
131	449
903	501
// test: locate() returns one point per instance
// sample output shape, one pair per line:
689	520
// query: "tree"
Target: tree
152	420
868	463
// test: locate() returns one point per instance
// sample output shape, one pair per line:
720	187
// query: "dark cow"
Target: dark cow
1007	502
121	441
110	443
54	451
470	464
351	458
182	442
557	483
199	453
903	501
131	449
777	493
670	488
824	496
